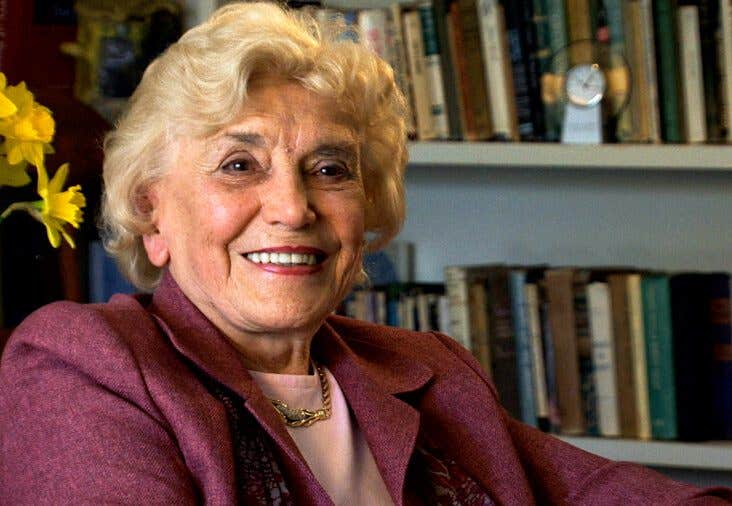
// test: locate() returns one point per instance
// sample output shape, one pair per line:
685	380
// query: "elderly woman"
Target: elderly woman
258	159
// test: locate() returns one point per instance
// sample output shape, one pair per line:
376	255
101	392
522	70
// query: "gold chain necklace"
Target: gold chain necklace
300	417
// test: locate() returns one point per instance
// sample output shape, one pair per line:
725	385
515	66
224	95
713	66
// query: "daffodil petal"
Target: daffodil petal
7	107
58	179
13	175
52	232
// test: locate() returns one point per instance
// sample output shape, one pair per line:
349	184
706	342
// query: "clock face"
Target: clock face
585	85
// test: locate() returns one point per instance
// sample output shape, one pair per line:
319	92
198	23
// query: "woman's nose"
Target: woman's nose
286	201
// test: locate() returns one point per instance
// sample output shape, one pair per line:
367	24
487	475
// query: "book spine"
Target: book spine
542	56
418	75
524	358
638	353
639	100
552	77
603	358
623	355
584	355
400	63
372	26
659	356
441	9
456	288
648	50
721	336
479	333
502	340
472	71
725	13
533	305
692	83
579	27
498	79
623	130
550	361
457	54
669	90
692	357
708	30
433	67
518	56
559	285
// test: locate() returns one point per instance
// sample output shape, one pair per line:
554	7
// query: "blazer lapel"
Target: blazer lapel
389	424
196	338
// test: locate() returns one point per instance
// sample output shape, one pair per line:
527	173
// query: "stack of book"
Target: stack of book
611	351
493	69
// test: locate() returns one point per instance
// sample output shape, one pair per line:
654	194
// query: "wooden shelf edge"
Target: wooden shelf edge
707	455
664	157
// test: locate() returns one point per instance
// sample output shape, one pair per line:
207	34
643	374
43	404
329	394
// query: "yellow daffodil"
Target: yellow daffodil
13	175
56	208
59	207
7	107
28	133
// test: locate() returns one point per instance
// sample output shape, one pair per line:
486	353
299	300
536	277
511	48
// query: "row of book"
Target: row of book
613	352
494	69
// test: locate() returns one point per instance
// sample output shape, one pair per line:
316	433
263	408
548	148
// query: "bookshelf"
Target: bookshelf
668	157
654	206
708	455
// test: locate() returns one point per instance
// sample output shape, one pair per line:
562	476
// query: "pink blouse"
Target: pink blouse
335	449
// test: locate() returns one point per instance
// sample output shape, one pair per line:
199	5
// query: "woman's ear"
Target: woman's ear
154	241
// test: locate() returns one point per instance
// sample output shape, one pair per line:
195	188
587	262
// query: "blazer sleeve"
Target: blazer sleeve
562	474
76	423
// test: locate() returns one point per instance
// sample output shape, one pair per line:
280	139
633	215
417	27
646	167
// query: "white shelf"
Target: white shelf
563	156
708	455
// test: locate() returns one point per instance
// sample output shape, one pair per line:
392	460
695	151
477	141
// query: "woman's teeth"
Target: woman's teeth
282	258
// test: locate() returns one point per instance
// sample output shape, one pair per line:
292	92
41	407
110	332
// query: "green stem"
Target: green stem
29	207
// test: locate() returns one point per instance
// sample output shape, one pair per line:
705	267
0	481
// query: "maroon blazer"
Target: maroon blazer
102	403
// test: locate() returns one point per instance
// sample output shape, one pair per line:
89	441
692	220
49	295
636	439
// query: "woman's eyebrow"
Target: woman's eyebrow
257	140
346	150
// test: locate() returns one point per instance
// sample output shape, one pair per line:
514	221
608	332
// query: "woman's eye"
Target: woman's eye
240	165
332	170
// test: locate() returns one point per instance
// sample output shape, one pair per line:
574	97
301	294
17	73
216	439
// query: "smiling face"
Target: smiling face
262	225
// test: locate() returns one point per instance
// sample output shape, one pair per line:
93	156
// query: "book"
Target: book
669	87
419	82
693	356
656	294
479	329
433	68
711	72
400	64
458	279
618	285
579	27
519	33
720	334
554	68
541	394
560	295
470	72
638	355
725	50
372	25
619	78
523	346
550	361
499	79
691	75
441	10
502	339
640	52
603	358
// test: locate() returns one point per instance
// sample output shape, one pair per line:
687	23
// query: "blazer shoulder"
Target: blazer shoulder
87	337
